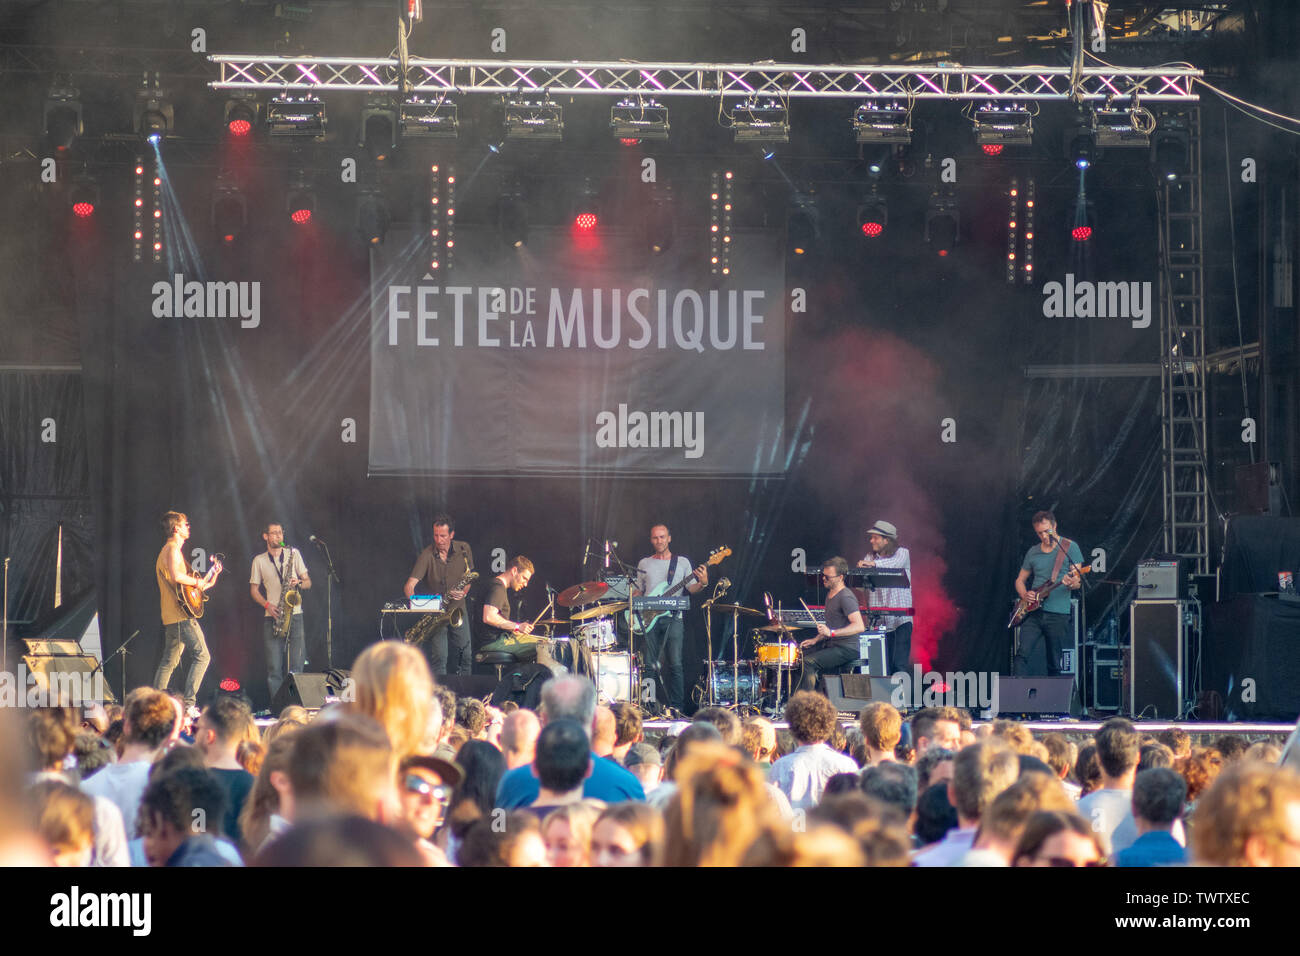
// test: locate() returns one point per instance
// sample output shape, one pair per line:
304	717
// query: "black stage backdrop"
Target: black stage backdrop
906	399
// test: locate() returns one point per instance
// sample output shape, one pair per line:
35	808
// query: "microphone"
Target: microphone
314	540
586	553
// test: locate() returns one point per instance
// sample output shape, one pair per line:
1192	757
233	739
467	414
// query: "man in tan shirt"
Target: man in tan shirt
181	631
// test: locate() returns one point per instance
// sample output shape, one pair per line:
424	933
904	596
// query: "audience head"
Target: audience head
482	766
93	753
936	727
1250	816
935	814
1058	838
1006	817
221	725
1118	746
64	817
394	687
1233	747
563	759
472	715
627	834
1087	769
726	721
695	734
933	766
1200	768
644	763
1177	740
1154	755
340	841
758	739
628	728
566	832
425	786
1159	795
519	737
148	718
1058	754
891	783
343	766
604	732
980	773
720	808
569	697
812	717
882	726
177	805
265	797
49	732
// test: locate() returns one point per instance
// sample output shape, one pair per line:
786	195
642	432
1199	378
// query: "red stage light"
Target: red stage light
992	149
629	141
872	229
229	685
943	252
240	127
1081	233
83	210
586	221
300	216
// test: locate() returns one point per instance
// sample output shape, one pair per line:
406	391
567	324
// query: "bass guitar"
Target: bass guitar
193	596
1026	605
635	619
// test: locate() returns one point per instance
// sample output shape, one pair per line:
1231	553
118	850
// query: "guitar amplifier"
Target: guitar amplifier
1161	581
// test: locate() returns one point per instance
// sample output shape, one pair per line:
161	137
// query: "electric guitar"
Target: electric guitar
192	596
1026	605
634	618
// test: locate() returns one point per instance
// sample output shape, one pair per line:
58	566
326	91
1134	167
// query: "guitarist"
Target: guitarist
664	640
1048	623
441	567
180	629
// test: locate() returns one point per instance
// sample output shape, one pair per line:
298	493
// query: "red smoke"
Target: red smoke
878	457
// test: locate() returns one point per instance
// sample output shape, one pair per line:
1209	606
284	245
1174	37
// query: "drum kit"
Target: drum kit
764	682
591	624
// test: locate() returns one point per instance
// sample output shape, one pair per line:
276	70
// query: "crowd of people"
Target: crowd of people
404	773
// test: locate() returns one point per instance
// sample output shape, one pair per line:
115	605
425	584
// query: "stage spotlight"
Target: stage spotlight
585	212
419	118
873	216
586	221
512	218
1170	149
301	200
992	149
1130	127
942	223
1008	125
63	118
229	211
379	128
1080	146
760	121
659	226
372	217
539	118
803	225
632	120
882	123
301	117
153	117
241	116
83	197
1081	228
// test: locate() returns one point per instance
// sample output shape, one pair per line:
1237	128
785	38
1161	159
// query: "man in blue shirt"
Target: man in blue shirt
1158	797
1048	622
572	698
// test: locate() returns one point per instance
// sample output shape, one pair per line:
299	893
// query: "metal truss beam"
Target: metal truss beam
792	81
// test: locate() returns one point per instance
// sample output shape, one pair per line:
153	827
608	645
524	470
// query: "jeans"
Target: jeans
180	637
900	649
664	640
275	658
827	659
1044	629
448	649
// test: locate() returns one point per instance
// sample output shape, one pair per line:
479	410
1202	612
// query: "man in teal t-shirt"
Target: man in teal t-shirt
1049	623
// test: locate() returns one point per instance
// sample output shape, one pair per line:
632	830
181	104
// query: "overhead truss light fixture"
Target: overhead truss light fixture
761	121
63	119
153	115
301	117
539	118
1004	125
883	123
646	119
428	118
1122	127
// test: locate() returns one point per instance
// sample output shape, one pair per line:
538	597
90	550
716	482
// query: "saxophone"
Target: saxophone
455	616
290	599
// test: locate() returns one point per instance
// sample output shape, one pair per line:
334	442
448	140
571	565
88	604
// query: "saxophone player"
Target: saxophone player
443	568
277	572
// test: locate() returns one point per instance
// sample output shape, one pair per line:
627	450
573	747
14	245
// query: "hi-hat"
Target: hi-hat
598	610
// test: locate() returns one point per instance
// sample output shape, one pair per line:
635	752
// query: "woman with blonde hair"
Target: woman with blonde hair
720	809
567	833
263	817
627	834
394	687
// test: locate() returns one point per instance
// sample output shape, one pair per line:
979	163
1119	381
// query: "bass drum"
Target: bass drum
614	676
725	682
598	635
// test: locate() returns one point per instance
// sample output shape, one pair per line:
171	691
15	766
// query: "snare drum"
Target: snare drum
598	635
724	680
777	655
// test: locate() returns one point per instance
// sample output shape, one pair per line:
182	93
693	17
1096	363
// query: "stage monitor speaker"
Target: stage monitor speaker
72	683
1035	695
851	692
1156	665
310	690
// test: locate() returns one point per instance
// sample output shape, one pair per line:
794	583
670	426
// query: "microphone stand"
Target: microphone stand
331	576
120	650
4	635
634	672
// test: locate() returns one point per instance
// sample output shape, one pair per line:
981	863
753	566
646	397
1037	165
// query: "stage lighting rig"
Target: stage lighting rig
803	227
378	130
297	117
1003	125
229	211
942	222
646	119
419	118
873	215
240	116
153	116
1170	148
883	123
63	117
761	121
1080	145
1122	127
512	216
372	216
659	227
300	202
539	118
83	197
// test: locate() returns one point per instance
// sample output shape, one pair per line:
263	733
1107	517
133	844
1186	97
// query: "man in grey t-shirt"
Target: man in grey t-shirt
665	637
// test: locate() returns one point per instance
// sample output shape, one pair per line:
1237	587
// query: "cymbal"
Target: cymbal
598	610
784	627
728	608
551	621
583	593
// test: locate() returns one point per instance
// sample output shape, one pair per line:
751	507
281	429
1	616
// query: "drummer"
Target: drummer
836	642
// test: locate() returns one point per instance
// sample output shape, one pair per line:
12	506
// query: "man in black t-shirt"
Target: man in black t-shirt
511	637
836	642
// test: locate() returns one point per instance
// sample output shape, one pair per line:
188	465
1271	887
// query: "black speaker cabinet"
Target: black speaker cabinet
1156	664
1035	695
851	692
309	690
1107	673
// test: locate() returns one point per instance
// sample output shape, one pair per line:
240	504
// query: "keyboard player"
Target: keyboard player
886	553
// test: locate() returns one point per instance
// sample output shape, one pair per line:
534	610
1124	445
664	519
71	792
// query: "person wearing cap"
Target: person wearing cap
886	553
646	765
424	786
